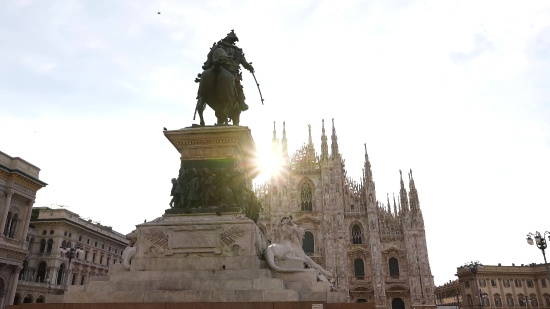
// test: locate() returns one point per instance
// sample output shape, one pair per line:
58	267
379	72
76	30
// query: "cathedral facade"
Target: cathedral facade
376	252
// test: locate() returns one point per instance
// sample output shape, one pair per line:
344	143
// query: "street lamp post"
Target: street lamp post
474	268
70	251
541	244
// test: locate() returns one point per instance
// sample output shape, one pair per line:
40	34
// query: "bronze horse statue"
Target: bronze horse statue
218	89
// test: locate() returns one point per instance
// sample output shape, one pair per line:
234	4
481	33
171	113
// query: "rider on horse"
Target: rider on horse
230	57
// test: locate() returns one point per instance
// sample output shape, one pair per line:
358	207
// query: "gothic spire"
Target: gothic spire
367	168
334	144
403	194
413	194
274	141
394	205
389	204
284	144
324	145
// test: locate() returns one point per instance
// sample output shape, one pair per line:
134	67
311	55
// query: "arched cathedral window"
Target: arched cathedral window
306	196
356	235
359	269
309	243
394	267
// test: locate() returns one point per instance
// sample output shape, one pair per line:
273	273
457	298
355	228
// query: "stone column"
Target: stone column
7	204
26	222
13	284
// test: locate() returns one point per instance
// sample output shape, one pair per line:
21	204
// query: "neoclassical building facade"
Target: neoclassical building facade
377	252
498	286
19	182
45	272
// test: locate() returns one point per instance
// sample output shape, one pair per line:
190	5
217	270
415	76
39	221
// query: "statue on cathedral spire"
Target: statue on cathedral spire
220	82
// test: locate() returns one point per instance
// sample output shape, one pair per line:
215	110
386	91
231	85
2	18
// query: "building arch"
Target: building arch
60	273
356	233
28	299
40	299
50	246
41	272
42	246
31	244
309	243
397	303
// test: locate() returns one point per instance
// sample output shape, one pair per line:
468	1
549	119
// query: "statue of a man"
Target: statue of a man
230	57
193	189
176	193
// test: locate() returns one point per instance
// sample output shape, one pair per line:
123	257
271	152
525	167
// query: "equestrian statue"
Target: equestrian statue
220	82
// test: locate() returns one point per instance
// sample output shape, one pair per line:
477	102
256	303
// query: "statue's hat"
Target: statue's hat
232	35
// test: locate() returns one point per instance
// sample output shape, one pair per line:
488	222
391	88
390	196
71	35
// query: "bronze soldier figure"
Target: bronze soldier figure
230	57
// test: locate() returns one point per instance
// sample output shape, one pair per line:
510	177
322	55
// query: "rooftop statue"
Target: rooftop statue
220	82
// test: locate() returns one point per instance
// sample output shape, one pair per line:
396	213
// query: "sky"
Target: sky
457	91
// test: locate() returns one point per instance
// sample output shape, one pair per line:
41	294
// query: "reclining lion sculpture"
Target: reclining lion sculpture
129	251
288	246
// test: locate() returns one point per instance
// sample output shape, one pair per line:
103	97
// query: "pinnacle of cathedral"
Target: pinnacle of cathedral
389	205
394	205
334	145
403	195
413	194
367	169
324	145
284	145
275	141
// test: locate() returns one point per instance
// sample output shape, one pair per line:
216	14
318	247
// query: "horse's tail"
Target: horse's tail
270	258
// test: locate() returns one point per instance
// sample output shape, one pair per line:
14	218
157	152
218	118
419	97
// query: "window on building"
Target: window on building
547	300
102	246
493	282
50	246
529	283
65	233
114	261
108	260
42	246
31	243
101	259
41	273
509	301
93	257
109	248
356	235
83	280
306	195
482	282
51	232
86	255
359	269
44	232
498	301
485	300
470	301
506	283
542	281
309	243
95	244
11	225
533	300
517	283
521	300
73	281
467	284
394	267
79	238
116	250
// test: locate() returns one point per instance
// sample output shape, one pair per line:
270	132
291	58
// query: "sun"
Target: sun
269	165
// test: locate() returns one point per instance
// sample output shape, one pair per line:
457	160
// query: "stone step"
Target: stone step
189	274
313	296
180	296
181	262
191	284
308	286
